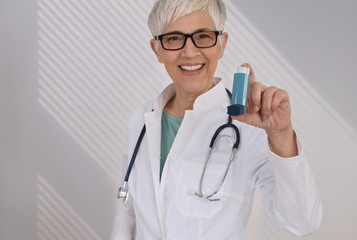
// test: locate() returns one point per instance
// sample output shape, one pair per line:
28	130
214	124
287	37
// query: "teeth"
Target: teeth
191	68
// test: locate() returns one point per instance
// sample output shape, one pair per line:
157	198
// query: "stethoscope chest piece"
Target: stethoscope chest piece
123	192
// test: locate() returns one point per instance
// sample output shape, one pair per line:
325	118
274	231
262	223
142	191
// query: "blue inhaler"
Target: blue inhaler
240	92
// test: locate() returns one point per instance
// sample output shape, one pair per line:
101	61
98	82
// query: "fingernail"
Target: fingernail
265	117
256	108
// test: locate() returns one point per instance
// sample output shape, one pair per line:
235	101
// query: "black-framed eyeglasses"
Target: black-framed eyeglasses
176	40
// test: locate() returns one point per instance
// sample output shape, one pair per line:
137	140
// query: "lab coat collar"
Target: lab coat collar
213	96
161	100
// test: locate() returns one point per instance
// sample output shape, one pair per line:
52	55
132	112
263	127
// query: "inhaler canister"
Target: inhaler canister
240	92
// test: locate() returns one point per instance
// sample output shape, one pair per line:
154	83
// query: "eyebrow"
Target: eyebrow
197	30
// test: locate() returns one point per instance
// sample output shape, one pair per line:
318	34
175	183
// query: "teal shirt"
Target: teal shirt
169	127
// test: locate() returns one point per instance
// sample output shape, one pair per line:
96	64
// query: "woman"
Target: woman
165	180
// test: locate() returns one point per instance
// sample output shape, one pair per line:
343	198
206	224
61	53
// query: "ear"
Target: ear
223	44
157	53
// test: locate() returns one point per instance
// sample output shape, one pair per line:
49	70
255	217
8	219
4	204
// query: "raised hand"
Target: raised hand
269	108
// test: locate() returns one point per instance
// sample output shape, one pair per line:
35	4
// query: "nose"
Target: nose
190	50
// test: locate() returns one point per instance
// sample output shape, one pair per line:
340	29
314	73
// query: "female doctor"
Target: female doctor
169	185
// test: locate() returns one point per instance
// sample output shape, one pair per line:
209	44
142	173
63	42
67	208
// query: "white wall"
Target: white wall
72	70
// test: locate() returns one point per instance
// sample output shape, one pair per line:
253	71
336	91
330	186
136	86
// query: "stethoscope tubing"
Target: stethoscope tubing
133	157
124	191
234	150
229	124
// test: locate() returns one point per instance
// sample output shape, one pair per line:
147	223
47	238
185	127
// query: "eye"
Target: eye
173	37
203	36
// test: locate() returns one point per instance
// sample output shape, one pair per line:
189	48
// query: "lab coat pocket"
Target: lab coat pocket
189	177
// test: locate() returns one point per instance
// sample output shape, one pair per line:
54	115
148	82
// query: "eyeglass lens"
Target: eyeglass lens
174	41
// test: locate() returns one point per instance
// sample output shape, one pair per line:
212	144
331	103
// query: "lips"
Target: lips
191	68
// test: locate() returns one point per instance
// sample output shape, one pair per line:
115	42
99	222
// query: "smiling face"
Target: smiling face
191	68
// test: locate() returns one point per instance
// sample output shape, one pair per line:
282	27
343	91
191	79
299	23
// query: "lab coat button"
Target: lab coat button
173	156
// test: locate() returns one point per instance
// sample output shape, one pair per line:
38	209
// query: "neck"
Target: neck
182	101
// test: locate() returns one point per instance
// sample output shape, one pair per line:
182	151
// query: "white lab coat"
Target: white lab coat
169	210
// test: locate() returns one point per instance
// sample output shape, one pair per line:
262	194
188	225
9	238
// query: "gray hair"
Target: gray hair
166	11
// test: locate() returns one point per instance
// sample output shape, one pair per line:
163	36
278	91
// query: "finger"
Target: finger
251	74
255	94
280	96
266	102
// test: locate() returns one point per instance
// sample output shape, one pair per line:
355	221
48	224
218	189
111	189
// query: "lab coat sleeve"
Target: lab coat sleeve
289	193
124	220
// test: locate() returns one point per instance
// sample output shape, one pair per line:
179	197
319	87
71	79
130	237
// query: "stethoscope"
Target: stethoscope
124	193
